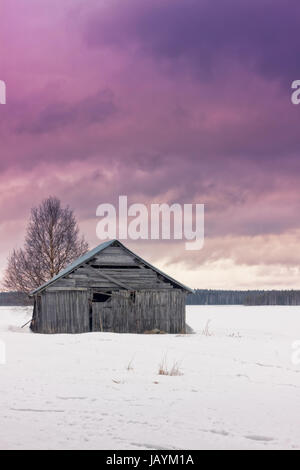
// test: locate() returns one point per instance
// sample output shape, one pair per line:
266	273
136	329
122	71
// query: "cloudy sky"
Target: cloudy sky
164	101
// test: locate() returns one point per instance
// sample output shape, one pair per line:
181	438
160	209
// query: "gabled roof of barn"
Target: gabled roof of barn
91	254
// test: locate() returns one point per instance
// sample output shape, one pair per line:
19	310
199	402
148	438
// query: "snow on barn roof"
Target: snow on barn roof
95	251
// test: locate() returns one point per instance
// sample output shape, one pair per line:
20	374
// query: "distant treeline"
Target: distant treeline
10	299
250	297
200	297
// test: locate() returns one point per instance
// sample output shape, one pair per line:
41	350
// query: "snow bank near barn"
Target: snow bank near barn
239	388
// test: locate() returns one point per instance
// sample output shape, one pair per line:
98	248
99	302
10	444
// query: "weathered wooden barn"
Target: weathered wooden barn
110	289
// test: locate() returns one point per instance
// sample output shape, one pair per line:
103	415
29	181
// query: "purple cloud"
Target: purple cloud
56	116
205	35
198	110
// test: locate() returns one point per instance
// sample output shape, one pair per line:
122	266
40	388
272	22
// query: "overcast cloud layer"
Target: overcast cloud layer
163	101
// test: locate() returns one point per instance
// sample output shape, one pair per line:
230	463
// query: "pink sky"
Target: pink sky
163	101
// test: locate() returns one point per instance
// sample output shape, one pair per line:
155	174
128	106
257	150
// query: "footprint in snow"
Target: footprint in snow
217	432
72	398
220	433
259	438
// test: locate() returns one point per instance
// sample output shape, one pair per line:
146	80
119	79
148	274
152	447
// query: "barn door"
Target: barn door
101	313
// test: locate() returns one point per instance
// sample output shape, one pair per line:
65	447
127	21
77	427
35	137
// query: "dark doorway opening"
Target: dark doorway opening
91	315
100	304
97	298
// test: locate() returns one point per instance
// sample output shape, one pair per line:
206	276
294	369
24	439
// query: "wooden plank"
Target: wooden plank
66	289
118	259
115	281
66	310
64	282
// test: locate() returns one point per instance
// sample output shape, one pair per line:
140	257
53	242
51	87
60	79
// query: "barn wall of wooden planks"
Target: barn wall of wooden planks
114	291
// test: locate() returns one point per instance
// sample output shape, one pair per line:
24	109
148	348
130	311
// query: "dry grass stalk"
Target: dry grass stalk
206	331
164	370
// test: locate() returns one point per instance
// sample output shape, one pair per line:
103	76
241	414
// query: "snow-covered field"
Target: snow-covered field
239	390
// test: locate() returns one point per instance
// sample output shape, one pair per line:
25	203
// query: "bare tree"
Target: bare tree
52	242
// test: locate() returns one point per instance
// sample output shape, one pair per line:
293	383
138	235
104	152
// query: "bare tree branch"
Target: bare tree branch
52	242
